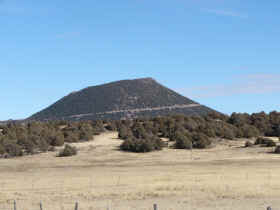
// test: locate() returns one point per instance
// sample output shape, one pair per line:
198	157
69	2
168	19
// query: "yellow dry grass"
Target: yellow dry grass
227	176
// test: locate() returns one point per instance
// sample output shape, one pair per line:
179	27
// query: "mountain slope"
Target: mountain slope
121	99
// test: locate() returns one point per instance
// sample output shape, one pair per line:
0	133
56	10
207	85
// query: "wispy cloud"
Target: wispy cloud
243	84
225	13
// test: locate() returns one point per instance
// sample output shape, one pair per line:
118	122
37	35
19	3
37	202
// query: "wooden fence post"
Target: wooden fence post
77	206
155	207
15	205
41	206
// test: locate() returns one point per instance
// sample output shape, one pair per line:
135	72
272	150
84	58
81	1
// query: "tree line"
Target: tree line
139	135
196	132
18	139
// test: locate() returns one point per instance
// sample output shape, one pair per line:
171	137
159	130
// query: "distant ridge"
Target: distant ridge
121	100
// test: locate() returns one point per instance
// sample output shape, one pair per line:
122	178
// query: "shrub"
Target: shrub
270	143
57	140
123	132
97	127
277	150
67	151
158	144
183	142
2	150
127	145
139	131
179	131
13	150
262	140
85	136
43	145
27	144
71	137
250	131
229	134
111	126
85	132
51	149
142	145
201	141
248	144
210	132
29	147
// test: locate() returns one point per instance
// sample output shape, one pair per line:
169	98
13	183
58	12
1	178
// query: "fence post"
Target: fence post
41	206
76	206
15	205
269	208
155	207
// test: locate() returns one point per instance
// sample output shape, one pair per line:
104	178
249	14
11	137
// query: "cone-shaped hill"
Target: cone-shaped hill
119	100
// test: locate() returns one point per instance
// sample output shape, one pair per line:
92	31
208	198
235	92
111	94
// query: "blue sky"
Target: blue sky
221	53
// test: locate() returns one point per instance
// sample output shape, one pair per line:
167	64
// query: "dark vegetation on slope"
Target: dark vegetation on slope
126	98
140	135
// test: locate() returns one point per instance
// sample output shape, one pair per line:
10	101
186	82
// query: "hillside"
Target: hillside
121	99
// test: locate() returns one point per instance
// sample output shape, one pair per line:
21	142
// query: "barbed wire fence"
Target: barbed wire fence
76	207
62	204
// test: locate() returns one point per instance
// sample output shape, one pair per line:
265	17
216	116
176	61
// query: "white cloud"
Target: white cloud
244	84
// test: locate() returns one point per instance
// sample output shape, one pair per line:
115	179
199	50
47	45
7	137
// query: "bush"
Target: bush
201	141
250	131
51	149
85	136
67	151
142	145
136	145
2	150
57	140
43	145
248	144
139	131
29	147
271	143
111	126
158	144
128	145
183	142
277	150
123	132
27	144
13	150
262	140
71	137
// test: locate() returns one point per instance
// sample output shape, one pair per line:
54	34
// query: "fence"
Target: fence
155	206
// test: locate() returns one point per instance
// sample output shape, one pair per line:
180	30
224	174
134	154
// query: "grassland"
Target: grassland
227	176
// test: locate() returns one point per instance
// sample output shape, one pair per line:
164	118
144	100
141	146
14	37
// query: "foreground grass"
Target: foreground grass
101	175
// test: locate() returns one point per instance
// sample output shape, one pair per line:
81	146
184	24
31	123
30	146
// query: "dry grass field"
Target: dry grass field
227	176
